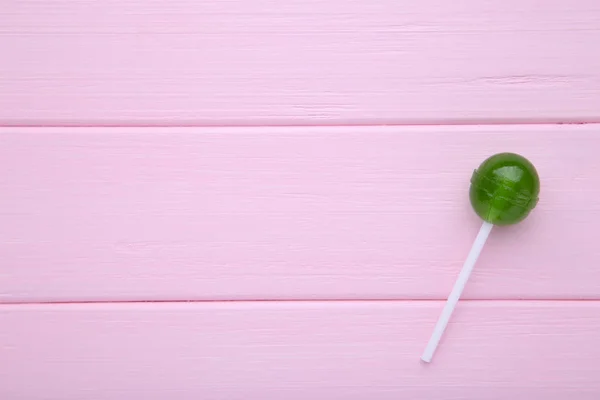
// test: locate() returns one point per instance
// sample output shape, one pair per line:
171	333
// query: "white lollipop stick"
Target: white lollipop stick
457	290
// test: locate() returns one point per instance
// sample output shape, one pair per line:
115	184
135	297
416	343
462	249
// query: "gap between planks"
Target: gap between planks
287	301
320	124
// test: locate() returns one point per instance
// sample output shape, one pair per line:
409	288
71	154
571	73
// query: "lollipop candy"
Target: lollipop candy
504	190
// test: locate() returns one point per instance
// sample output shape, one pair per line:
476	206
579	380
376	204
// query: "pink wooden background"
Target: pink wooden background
268	199
225	62
116	214
299	350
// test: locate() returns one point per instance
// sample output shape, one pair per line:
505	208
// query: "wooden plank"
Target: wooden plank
94	214
346	350
173	62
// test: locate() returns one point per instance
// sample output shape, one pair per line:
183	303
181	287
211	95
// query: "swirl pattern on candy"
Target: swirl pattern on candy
504	189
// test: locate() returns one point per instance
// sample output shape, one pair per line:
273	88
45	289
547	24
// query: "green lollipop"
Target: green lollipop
504	190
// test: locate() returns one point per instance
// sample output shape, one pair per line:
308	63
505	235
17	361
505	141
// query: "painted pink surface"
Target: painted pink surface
96	214
300	350
174	62
322	213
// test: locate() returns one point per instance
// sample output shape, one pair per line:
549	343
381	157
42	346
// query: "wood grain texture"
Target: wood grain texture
348	350
96	214
214	62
